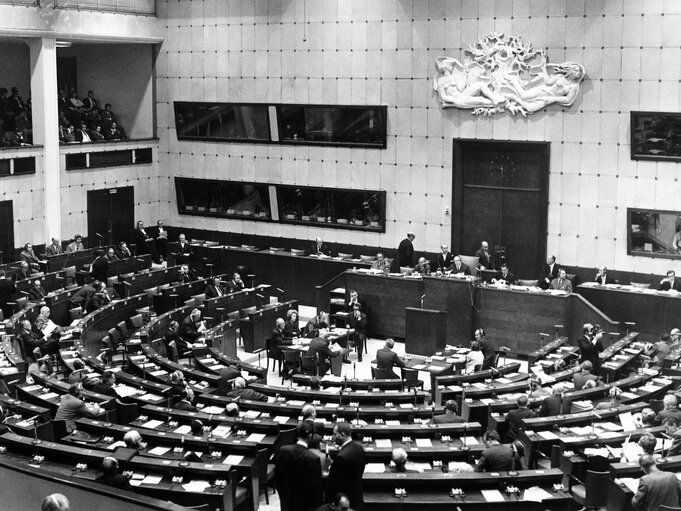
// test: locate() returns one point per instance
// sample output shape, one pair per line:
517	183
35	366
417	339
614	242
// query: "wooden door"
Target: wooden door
6	232
500	192
111	215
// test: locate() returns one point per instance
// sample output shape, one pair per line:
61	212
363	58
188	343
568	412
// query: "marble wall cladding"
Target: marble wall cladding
382	52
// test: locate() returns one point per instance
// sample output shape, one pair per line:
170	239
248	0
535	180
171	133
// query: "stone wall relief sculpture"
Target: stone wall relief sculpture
500	74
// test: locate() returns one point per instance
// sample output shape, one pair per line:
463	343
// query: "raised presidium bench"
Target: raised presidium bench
152	476
432	489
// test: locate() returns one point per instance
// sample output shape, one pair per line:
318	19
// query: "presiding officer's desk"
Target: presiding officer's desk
431	490
512	316
653	311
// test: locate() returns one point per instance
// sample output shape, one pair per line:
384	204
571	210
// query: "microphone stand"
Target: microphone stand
432	424
357	424
354	370
513	471
36	440
464	447
560	410
421	299
415	397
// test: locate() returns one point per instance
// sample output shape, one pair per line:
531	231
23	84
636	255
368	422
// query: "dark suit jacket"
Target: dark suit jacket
324	249
82	297
100	269
580	379
7	290
665	286
464	268
608	279
140	239
122	255
184	251
405	253
510	278
444	262
484	260
589	351
183	405
103	388
496	458
236	286
249	394
320	347
514	419
488	353
551	406
115	480
448	418
291	330
546	273
360	325
36	295
51	250
345	474
99	300
298	476
189	330
212	292
312	327
388	359
657	489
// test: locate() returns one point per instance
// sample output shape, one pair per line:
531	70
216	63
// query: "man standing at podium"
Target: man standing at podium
405	252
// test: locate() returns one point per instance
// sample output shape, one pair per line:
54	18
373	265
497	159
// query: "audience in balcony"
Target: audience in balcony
81	120
15	119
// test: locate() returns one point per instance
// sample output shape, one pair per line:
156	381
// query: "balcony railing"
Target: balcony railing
142	7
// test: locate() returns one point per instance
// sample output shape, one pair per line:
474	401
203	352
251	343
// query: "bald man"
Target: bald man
320	248
484	257
405	251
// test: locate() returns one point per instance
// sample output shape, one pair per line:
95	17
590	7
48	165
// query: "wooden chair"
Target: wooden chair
290	363
383	374
590	495
123	330
137	321
410	379
309	365
126	412
59	430
265	472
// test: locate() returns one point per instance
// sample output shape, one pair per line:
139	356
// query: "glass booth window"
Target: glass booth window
223	198
222	121
333	125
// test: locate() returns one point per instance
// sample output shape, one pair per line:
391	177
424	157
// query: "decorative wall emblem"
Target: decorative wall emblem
48	12
500	74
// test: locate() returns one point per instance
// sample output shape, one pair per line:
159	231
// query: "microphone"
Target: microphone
99	235
422	297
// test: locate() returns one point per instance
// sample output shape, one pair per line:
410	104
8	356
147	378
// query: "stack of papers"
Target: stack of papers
159	451
152	424
374	468
384	443
535	494
492	495
255	437
424	442
233	459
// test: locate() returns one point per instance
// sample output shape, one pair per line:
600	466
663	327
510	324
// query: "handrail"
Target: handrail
322	291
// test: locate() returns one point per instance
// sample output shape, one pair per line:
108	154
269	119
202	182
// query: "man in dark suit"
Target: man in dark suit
345	474
184	250
556	403
357	321
450	416
240	391
7	290
123	252
176	346
319	322
459	268
25	271
110	475
504	276
160	236
590	346
497	457
422	267
387	359
236	284
105	385
103	296
603	277
656	488
405	251
298	473
100	267
214	289
671	409
186	275
144	242
320	248
83	296
484	257
670	282
279	339
53	248
549	272
320	347
71	407
36	293
191	326
581	378
184	403
444	259
514	418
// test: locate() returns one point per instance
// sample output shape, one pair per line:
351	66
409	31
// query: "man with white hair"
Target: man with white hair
398	462
44	323
671	409
603	277
675	338
556	403
320	248
387	359
242	392
36	293
192	328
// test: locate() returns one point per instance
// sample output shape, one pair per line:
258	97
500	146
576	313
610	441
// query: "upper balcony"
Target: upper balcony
141	7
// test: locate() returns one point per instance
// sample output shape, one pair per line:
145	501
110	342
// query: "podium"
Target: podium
425	331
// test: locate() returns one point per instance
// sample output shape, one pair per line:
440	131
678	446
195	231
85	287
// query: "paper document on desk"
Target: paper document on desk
384	443
50	395
392	422
631	483
627	421
183	430
419	367
233	459
547	435
492	495
469	440
213	410
125	391
152	479
424	442
596	451
535	494
487	401
479	385
255	437
159	451
295	402
374	468
152	424
196	486
252	414
281	419
222	431
503	380
406	405
436	369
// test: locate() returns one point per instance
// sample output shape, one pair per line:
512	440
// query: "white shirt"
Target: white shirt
474	358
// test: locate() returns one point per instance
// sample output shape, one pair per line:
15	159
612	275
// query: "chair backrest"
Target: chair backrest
199	299
114	335
190	303
22	302
76	313
656	405
106	341
137	321
126	412
472	262
410	374
286	437
382	374
248	310
70	272
290	355
122	329
151	291
59	430
233	315
594	485
309	362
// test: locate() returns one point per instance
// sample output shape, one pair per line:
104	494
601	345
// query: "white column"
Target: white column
46	126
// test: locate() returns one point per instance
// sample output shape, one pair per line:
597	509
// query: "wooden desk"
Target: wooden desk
257	326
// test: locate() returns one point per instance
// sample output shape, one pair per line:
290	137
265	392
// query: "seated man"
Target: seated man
184	403
105	385
186	274
669	282
450	416
398	462
36	293
53	248
498	457
561	283
192	327
76	245
110	475
320	248
103	296
671	409
474	358
236	284
387	359
184	250
28	255
459	268
422	267
603	277
514	418
123	252
44	323
445	259
29	341
111	255
381	263
176	346
72	407
504	276
226	383
215	288
582	378
242	392
25	271
315	325
556	403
